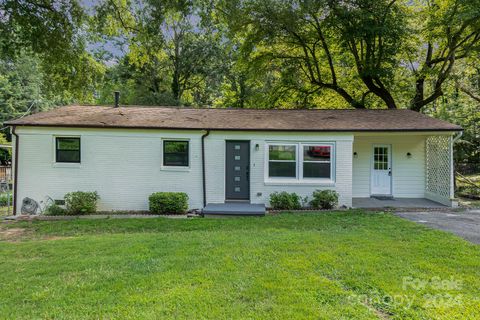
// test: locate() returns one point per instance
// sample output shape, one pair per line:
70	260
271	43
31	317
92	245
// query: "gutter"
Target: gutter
203	168
99	126
15	172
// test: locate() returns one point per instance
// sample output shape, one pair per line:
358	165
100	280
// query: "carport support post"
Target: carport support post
452	171
452	167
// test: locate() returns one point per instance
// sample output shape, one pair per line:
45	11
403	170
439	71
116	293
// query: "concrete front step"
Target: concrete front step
234	209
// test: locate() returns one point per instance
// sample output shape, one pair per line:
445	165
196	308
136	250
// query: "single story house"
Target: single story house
220	156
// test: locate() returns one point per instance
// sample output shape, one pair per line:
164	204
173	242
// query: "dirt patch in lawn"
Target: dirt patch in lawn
12	234
22	234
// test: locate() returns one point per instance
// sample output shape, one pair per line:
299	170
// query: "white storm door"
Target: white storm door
381	170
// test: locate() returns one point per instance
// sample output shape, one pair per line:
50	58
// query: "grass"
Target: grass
339	265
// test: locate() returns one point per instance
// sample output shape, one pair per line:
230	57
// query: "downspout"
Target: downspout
459	135
15	172
203	168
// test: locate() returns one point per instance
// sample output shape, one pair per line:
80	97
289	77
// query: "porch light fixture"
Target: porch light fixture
257	147
355	154
409	155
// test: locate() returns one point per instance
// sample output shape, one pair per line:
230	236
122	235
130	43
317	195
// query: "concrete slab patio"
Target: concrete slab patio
465	224
395	203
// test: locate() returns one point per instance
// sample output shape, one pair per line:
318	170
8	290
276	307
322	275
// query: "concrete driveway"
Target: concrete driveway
465	224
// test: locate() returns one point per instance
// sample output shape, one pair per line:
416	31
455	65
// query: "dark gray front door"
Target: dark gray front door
237	167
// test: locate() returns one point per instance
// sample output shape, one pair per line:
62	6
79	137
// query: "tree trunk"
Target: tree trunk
415	104
176	87
380	91
344	94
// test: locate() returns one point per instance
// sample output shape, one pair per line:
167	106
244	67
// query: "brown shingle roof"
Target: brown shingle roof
235	119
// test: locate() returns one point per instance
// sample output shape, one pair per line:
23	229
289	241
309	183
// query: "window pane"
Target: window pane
175	153
316	153
316	170
281	152
175	159
175	146
68	143
282	169
68	156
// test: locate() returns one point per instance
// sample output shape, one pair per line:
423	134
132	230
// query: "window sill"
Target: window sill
322	183
173	168
73	165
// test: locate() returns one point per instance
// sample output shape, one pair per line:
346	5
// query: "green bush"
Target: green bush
4	199
80	202
324	199
168	203
55	210
285	201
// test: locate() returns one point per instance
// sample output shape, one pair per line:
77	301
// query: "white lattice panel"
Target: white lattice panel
438	166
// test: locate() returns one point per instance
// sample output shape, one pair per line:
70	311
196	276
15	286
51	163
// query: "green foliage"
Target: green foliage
285	201
5	154
80	202
324	199
421	55
43	55
168	203
174	53
21	87
49	28
55	210
4	199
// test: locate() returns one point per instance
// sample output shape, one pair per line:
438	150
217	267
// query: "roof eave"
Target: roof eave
12	123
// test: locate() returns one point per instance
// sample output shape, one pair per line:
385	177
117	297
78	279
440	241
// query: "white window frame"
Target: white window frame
299	179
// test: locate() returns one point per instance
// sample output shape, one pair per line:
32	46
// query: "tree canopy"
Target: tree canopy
422	55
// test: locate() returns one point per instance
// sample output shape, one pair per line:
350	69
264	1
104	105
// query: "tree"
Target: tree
47	27
357	48
171	43
460	104
54	34
445	31
21	83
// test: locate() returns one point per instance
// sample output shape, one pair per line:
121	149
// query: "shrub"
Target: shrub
168	202
4	199
80	202
54	210
285	201
324	199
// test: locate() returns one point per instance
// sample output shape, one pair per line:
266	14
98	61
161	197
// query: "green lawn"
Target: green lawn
291	266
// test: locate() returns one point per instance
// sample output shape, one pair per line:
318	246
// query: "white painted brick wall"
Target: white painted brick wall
124	166
215	150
